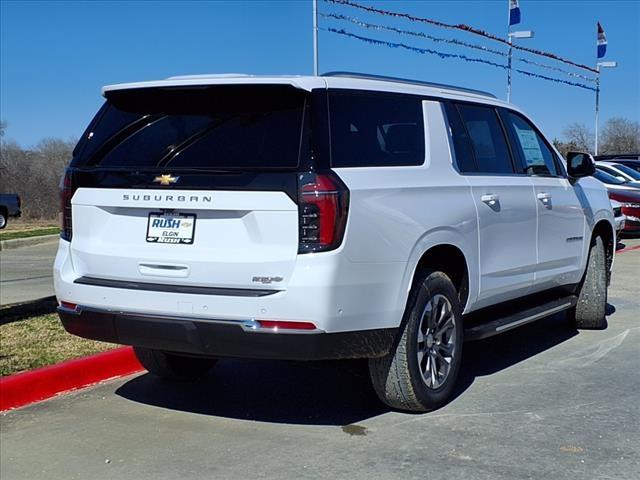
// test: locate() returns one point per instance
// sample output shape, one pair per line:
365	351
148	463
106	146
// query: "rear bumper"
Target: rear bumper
222	338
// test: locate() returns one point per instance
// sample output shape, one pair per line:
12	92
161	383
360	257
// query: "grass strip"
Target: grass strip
41	340
36	232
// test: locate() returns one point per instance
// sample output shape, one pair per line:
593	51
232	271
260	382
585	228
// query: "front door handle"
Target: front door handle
490	199
544	197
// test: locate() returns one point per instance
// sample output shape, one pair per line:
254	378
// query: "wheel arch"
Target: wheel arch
603	228
449	256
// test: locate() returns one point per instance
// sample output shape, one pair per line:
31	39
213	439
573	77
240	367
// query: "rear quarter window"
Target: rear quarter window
375	129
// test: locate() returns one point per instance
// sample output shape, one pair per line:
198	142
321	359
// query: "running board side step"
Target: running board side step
518	319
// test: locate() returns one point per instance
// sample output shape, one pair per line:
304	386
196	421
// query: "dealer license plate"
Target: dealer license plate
171	228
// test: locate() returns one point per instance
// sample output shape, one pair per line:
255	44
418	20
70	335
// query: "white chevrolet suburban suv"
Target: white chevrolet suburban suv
324	217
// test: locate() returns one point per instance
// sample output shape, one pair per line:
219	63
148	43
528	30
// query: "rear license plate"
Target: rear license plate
171	228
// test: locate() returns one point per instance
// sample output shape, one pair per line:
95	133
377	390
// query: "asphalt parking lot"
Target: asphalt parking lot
543	401
26	272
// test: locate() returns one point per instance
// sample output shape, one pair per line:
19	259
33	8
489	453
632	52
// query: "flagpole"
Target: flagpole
597	104
509	54
315	36
509	70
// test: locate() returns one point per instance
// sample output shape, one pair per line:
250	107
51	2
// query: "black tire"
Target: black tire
3	220
398	377
171	366
589	312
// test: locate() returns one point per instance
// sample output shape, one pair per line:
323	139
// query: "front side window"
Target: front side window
537	156
487	139
371	129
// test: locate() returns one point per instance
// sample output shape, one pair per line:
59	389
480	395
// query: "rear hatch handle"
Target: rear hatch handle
163	270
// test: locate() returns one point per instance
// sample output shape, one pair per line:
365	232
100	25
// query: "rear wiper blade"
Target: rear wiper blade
190	140
117	138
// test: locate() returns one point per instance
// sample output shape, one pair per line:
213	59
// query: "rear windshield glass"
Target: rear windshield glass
215	127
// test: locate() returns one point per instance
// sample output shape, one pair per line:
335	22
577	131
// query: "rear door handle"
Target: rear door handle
490	199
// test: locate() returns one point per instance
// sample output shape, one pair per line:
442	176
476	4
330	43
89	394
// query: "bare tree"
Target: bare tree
35	175
579	137
564	147
620	135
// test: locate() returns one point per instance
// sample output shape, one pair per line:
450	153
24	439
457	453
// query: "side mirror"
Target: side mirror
580	164
621	178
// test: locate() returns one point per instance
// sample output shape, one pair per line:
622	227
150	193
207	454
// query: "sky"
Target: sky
56	55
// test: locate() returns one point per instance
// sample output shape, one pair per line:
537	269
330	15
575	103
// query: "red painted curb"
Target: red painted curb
35	385
628	249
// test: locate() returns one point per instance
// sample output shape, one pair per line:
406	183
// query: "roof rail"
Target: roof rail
367	76
208	75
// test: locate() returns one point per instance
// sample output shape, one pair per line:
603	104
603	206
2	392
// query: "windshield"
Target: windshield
230	127
629	171
606	178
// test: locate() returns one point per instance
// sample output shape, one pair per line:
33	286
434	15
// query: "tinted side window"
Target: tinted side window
107	123
487	138
369	129
461	141
537	156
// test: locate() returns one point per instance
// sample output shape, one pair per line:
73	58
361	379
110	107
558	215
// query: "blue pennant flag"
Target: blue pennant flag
514	12
602	41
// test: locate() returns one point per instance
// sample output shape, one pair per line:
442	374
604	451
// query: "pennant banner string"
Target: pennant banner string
429	51
373	41
551	67
374	26
462	27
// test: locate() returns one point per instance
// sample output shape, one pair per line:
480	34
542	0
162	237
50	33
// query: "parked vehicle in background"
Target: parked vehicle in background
619	216
630	204
627	196
614	183
324	217
620	171
10	204
631	161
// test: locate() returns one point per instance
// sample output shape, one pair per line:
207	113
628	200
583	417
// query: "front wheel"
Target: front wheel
3	220
589	312
420	373
171	366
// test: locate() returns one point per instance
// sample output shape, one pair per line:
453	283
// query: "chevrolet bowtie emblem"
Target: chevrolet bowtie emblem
166	179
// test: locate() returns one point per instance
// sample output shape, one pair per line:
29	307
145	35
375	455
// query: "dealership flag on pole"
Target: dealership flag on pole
602	41
514	12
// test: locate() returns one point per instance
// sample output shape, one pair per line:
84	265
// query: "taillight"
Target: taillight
67	189
323	204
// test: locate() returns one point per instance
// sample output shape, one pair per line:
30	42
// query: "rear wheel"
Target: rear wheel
420	373
3	219
589	312
171	366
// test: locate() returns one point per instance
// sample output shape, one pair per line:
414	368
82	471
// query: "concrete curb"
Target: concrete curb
27	242
18	311
40	384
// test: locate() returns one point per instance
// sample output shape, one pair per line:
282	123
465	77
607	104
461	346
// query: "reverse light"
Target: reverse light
323	204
